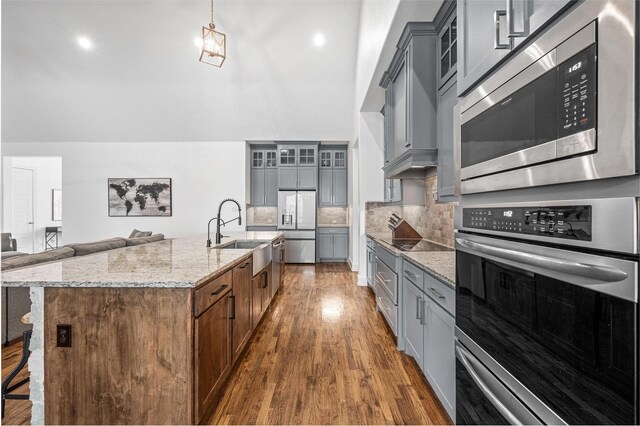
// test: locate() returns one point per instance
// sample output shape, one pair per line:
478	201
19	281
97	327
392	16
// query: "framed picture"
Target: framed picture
56	204
139	197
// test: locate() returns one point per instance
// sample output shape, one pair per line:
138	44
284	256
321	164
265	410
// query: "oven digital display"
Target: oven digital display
567	222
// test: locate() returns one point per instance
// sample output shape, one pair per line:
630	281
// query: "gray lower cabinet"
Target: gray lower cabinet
371	263
439	359
448	168
427	330
333	244
413	330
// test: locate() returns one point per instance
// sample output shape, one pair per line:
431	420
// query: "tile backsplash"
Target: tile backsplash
433	221
262	216
333	216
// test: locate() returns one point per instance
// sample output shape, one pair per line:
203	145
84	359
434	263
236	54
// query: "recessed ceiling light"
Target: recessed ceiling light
319	39
85	43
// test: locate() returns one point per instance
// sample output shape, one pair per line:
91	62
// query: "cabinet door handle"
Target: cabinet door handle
219	290
418	304
265	280
244	265
410	275
233	307
423	305
496	42
437	293
511	21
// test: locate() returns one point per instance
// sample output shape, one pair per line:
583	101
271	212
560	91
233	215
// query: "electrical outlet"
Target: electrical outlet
63	336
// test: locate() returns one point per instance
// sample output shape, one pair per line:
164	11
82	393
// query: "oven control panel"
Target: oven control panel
568	222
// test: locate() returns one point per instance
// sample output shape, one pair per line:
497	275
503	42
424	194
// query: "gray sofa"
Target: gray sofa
17	300
9	246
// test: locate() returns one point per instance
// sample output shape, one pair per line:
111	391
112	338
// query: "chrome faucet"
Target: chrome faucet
219	220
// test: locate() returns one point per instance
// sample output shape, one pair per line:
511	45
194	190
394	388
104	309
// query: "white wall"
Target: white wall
47	173
203	173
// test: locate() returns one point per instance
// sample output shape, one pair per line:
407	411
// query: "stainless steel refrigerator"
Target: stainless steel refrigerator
297	218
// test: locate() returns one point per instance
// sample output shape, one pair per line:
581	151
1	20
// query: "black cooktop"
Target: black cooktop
418	245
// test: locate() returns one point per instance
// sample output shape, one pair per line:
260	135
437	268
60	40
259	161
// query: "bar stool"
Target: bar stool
26	338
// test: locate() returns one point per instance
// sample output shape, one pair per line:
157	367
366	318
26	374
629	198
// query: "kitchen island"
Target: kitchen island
140	335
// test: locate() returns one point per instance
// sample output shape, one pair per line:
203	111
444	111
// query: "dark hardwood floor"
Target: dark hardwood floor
17	412
323	355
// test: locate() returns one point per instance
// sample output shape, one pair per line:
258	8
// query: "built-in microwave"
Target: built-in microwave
562	110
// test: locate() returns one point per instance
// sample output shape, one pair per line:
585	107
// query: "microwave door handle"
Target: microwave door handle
486	387
596	273
511	19
496	42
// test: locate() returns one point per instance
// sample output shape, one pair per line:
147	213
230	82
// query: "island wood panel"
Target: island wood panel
131	360
242	326
214	357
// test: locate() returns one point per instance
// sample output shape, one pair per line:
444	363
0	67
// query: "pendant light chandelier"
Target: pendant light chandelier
213	49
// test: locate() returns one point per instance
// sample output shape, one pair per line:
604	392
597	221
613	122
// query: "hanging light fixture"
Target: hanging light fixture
213	49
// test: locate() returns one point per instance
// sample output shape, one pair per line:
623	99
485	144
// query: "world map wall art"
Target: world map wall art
139	197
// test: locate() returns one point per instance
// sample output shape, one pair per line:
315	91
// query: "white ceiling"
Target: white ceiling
143	82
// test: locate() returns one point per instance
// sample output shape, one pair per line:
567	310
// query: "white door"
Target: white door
287	210
22	226
306	218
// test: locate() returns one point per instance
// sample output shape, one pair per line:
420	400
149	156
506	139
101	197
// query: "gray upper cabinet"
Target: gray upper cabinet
287	155
489	30
297	166
448	163
263	185
410	103
447	50
307	178
332	188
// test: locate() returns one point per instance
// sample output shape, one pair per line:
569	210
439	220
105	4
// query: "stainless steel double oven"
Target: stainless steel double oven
562	110
547	312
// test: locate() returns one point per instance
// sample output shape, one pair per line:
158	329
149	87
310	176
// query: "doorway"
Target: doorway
22	219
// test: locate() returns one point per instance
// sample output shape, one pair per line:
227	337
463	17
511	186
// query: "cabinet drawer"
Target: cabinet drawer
413	274
444	295
386	256
387	280
333	231
215	289
389	310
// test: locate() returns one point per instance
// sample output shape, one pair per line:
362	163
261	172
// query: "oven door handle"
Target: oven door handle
597	274
485	384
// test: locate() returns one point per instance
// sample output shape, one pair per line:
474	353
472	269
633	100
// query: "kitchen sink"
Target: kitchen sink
241	244
261	253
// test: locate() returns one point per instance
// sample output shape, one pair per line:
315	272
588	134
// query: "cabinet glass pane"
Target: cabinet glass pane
444	41
257	159
444	64
454	54
454	30
271	159
288	156
339	158
325	159
306	156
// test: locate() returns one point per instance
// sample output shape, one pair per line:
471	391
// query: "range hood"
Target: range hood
412	164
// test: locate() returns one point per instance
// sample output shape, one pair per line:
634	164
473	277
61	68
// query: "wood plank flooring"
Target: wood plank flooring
17	412
323	355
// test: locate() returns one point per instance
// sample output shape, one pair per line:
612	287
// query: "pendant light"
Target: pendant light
213	49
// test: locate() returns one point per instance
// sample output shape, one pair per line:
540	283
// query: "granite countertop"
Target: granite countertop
273	225
333	225
174	263
441	264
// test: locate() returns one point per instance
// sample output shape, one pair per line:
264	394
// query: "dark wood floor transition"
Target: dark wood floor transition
322	355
